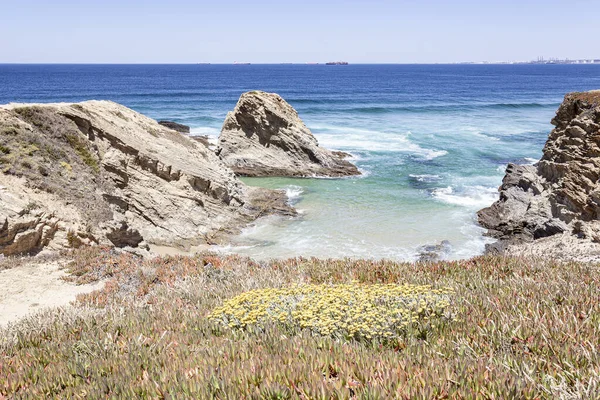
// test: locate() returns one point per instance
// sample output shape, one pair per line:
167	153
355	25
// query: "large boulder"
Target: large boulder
264	136
99	173
561	193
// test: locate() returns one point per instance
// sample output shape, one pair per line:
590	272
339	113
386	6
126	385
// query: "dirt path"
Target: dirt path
34	286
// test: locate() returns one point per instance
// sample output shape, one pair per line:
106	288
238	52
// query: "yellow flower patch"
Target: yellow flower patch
349	310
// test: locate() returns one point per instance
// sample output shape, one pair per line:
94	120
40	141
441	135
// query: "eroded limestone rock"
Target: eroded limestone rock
264	136
98	172
561	193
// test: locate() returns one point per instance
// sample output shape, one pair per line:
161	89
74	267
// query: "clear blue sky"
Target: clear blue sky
386	31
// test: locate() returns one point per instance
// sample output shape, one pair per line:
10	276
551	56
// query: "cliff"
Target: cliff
264	136
558	197
97	172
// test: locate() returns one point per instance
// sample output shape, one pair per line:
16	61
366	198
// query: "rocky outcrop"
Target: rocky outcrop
99	173
434	252
175	126
263	136
561	193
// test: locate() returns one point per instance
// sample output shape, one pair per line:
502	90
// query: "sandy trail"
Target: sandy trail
34	286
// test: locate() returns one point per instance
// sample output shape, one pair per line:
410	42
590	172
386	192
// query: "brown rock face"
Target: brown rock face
561	193
263	136
99	173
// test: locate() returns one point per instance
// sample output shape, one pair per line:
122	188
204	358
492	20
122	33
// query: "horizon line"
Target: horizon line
313	63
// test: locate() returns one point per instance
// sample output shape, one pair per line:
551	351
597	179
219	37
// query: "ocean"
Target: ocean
432	140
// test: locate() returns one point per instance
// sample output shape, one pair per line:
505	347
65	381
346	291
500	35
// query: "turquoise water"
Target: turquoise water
432	140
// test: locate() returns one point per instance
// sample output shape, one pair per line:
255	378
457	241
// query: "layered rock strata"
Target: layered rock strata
264	136
559	196
97	172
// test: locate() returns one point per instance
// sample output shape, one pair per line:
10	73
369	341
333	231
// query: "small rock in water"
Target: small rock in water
175	126
434	252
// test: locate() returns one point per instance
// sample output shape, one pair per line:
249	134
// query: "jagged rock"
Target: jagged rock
263	136
524	209
434	252
99	173
175	126
561	193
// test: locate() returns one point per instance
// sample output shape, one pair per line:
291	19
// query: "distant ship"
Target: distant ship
241	63
337	63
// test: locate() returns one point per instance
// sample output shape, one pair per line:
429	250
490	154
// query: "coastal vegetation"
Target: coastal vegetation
350	311
229	327
488	327
45	152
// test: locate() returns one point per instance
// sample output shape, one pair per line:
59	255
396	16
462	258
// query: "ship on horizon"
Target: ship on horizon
337	63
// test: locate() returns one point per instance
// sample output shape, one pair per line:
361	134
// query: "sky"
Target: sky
265	31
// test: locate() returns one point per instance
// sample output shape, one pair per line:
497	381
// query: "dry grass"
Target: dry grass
17	261
12	262
523	329
591	97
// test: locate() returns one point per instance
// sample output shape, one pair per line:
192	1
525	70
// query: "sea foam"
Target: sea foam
473	197
355	139
294	193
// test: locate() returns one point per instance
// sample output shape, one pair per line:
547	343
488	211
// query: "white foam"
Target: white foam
352	156
365	140
425	177
479	133
344	129
530	161
476	241
484	136
294	193
474	197
364	172
205	130
431	154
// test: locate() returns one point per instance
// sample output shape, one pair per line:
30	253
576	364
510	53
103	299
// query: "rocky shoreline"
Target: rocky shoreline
552	208
98	173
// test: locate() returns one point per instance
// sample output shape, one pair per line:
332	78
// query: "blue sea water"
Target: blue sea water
432	140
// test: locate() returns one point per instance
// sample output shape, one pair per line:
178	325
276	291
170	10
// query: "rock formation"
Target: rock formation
561	193
98	172
263	136
175	126
434	252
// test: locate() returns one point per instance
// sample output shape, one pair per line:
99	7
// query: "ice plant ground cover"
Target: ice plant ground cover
511	328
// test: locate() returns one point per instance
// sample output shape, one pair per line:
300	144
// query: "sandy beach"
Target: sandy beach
35	286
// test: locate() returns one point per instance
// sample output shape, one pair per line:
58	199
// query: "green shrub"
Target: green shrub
82	150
